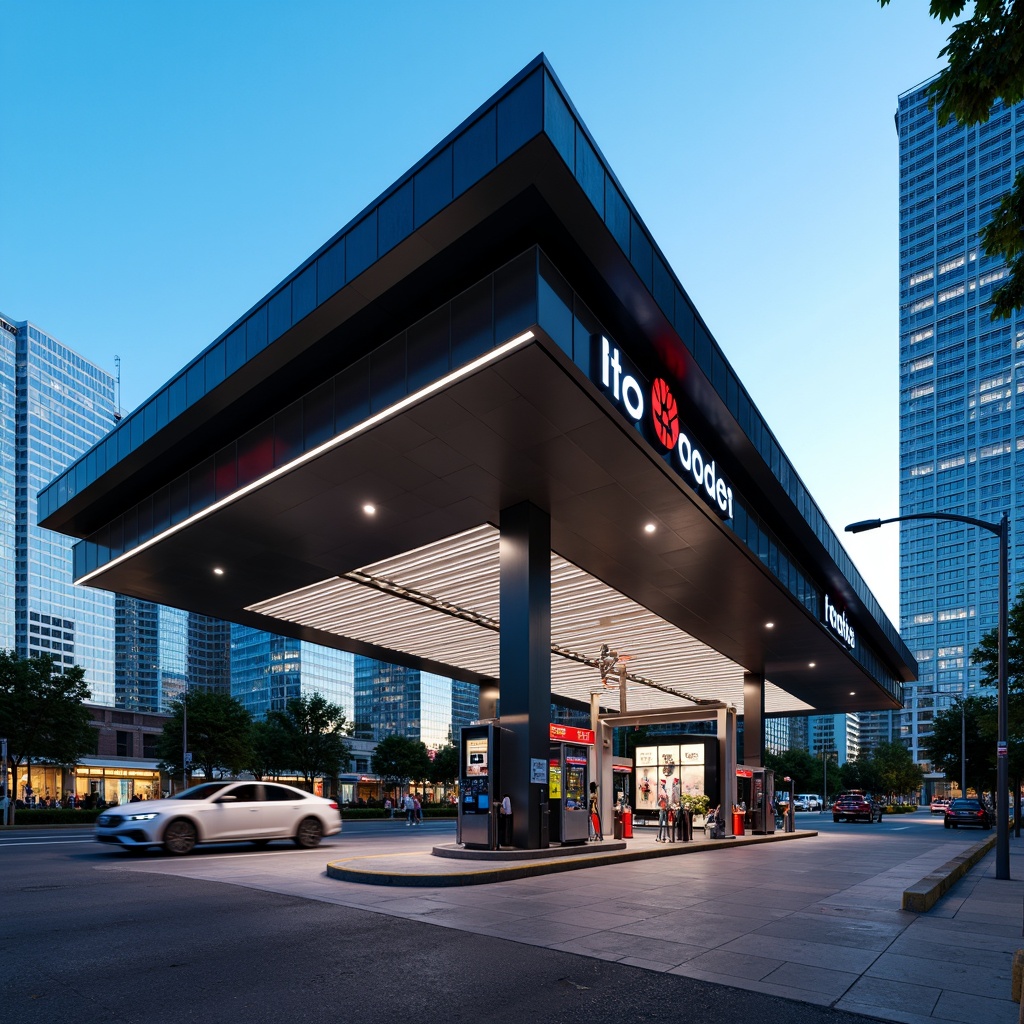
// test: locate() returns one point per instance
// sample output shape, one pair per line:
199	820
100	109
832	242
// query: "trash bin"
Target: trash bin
627	824
737	823
617	826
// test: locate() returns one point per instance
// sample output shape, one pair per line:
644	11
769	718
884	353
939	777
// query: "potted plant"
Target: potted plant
697	803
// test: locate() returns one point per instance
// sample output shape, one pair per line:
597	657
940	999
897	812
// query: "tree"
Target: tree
268	751
313	731
801	766
42	711
985	63
444	769
942	748
986	654
898	775
219	734
398	759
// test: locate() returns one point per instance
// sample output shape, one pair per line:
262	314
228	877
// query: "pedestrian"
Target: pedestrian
593	812
410	809
387	807
417	809
505	821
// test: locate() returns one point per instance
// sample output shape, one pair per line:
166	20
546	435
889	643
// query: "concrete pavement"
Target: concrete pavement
818	921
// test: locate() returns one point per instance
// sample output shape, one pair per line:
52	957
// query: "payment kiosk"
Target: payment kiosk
755	789
568	793
478	780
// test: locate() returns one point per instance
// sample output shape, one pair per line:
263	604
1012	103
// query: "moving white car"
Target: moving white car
221	812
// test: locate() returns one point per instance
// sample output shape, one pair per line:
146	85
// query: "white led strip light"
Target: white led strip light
339	439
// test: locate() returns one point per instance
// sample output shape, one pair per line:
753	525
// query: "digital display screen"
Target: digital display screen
476	756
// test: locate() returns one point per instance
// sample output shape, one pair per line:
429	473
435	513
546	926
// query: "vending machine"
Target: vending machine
568	779
478	780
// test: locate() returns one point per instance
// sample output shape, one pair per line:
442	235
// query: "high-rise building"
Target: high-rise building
8	361
160	651
961	401
836	736
268	670
53	408
393	700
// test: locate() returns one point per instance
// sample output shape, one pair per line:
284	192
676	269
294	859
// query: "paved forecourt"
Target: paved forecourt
817	921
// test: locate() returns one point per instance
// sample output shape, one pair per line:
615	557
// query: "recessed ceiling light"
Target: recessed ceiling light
649	528
370	510
853	693
813	663
769	625
218	571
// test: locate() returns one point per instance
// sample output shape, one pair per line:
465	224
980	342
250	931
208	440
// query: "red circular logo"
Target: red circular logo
664	413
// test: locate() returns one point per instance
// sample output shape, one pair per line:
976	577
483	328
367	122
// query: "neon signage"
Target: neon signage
838	624
570	734
689	461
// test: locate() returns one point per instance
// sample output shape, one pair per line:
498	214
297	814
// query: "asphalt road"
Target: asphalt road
82	941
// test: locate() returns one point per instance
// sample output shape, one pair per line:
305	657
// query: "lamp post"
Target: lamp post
825	755
1002	531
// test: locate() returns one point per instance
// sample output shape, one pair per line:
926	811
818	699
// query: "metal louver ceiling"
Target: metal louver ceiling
441	602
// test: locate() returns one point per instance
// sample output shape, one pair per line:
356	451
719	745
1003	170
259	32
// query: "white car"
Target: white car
221	812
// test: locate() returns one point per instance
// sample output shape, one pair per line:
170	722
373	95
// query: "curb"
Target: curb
349	871
923	895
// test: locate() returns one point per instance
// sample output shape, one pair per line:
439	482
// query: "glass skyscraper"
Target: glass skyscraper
392	700
267	671
8	487
162	651
55	406
961	402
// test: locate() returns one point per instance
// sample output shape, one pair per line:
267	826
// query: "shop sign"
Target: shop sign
632	394
838	624
570	734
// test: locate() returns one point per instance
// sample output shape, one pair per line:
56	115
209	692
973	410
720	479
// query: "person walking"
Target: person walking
388	807
410	809
417	810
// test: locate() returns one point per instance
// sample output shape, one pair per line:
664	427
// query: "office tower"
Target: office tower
8	360
267	671
391	700
55	406
961	400
837	736
162	651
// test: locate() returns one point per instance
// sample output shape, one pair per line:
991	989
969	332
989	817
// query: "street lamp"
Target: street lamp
825	755
1002	531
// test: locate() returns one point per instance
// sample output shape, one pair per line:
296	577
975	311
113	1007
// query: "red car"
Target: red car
856	806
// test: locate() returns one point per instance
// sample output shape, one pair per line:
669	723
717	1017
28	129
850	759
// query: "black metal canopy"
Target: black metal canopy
438	360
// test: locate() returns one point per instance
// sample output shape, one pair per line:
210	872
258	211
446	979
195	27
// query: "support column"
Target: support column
488	701
727	764
753	720
525	663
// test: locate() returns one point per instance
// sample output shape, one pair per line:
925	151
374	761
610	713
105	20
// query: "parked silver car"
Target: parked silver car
221	812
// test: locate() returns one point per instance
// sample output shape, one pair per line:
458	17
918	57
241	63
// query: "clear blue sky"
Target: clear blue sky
165	165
